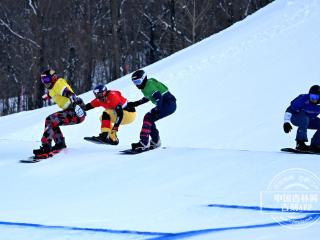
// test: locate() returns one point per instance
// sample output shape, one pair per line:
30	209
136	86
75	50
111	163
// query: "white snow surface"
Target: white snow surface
222	146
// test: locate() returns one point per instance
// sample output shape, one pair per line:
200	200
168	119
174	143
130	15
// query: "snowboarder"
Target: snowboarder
165	102
72	113
116	113
303	112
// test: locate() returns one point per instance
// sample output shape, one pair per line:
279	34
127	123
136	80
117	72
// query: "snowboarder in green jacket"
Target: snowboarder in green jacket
165	102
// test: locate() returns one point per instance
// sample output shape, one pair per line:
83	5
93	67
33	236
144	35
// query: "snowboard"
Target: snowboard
96	140
34	159
293	150
133	152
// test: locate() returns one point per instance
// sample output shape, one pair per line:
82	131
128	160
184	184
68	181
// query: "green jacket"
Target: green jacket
152	86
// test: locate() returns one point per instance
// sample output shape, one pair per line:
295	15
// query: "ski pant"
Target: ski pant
304	122
53	122
109	116
149	128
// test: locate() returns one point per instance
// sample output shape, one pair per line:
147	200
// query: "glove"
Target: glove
75	100
46	97
131	105
79	111
138	103
78	101
287	127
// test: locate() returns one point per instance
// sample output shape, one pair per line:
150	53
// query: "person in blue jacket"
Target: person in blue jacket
303	112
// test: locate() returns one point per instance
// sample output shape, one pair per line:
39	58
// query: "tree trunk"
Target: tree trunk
115	39
173	26
39	88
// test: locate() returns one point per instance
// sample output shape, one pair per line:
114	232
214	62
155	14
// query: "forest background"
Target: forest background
97	41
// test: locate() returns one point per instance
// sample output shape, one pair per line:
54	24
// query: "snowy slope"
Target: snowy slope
232	90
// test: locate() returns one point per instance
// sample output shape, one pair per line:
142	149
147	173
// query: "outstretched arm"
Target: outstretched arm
138	103
88	107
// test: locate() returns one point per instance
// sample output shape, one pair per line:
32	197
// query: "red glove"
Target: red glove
46	97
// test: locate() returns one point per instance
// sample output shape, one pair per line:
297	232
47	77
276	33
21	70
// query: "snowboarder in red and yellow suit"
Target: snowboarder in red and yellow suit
116	113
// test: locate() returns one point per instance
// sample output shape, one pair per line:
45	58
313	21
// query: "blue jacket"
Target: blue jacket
302	103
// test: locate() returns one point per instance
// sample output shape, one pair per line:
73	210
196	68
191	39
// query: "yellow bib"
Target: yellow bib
56	93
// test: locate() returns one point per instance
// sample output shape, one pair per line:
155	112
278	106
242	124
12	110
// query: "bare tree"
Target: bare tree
97	41
195	12
115	38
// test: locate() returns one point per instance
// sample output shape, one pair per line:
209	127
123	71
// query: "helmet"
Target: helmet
48	77
314	94
100	91
315	89
138	77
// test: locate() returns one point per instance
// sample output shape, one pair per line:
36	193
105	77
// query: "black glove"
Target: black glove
287	127
138	103
131	105
77	101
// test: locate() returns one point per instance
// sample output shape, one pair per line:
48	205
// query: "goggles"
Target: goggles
314	97
139	81
45	79
100	95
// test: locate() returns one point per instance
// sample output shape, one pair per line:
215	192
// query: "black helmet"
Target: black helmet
100	91
138	77
314	94
315	89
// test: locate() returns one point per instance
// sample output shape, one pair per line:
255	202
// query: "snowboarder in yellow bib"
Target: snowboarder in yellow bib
72	113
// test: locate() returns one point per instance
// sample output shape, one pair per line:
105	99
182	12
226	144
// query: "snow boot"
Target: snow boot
103	137
139	147
113	139
315	148
44	151
154	145
59	146
301	146
111	142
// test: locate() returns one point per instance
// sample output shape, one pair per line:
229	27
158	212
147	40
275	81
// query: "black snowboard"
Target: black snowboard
95	140
132	152
34	159
293	150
